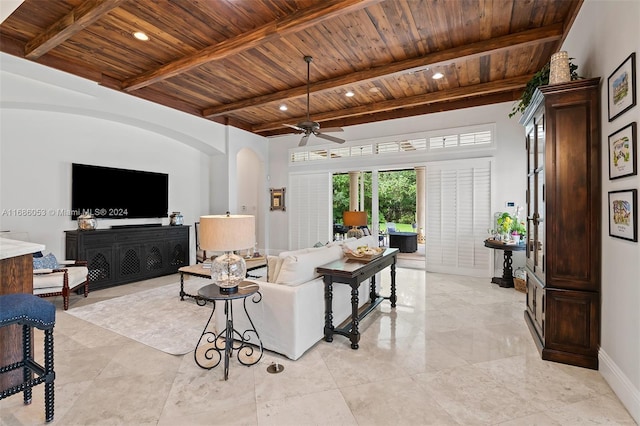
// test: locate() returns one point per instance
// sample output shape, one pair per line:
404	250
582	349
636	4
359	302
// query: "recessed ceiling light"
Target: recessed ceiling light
437	76
283	107
349	94
141	36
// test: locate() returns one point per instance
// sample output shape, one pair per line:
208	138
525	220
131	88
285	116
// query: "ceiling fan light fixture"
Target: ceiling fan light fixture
141	36
437	76
309	127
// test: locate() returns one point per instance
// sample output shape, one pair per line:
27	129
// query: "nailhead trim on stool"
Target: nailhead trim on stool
30	311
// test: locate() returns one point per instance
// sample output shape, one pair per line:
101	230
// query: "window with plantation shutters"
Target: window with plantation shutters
310	209
458	208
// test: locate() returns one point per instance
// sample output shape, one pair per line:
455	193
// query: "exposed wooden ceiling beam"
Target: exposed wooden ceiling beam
483	89
287	25
75	21
461	53
410	112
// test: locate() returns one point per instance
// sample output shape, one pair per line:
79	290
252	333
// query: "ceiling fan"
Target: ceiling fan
309	127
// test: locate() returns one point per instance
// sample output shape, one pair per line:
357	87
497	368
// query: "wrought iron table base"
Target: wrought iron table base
213	347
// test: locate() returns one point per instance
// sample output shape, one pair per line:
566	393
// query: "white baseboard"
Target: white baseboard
628	395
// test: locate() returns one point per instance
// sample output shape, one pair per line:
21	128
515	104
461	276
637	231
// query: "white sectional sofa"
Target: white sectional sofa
290	316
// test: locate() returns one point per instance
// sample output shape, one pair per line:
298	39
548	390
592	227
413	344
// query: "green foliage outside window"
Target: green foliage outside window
396	196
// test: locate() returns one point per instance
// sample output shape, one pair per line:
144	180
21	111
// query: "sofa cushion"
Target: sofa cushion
274	263
53	282
301	268
294	252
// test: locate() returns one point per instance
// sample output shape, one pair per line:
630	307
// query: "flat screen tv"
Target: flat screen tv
112	193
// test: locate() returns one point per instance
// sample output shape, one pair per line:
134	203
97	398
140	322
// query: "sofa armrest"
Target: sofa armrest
288	319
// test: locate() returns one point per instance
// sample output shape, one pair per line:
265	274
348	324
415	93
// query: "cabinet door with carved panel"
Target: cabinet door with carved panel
130	264
101	265
178	253
155	258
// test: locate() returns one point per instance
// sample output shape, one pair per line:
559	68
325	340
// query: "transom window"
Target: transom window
437	141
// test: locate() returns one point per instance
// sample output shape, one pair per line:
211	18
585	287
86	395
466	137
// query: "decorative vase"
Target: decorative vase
559	68
176	218
87	222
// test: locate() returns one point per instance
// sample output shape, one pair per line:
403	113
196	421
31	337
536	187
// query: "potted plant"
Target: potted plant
541	78
519	230
509	226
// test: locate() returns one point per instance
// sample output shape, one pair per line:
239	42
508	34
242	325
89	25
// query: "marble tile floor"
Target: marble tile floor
455	351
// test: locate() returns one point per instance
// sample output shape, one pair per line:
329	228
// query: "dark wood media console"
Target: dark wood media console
123	255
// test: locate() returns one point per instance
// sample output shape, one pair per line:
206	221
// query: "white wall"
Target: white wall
604	34
50	119
36	168
510	155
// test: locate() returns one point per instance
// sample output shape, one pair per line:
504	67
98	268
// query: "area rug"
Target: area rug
155	317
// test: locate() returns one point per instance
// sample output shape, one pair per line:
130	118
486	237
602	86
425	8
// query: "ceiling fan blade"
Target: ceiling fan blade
331	129
300	129
329	138
304	139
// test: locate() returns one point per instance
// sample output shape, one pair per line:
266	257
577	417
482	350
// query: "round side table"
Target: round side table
507	269
212	347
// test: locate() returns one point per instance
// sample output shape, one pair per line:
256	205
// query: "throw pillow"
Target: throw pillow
302	268
45	262
274	263
294	252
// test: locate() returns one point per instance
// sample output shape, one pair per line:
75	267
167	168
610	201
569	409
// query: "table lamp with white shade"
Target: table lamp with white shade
227	233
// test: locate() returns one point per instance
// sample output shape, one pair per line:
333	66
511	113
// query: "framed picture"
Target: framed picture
277	199
623	214
622	152
622	87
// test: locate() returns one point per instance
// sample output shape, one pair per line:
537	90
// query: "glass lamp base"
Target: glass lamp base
227	271
355	232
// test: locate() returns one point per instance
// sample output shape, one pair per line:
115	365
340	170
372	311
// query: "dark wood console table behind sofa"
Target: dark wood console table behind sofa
123	255
351	272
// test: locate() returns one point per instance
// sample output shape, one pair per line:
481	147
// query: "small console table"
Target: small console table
507	269
213	346
353	273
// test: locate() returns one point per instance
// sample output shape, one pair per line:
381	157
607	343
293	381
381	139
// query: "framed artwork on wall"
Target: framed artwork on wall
622	152
621	87
623	214
277	199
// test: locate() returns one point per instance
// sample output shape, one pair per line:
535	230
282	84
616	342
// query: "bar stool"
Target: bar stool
30	311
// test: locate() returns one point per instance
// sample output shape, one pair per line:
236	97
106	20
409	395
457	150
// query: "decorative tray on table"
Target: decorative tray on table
363	253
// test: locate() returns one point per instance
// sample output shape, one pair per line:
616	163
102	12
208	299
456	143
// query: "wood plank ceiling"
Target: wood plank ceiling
236	61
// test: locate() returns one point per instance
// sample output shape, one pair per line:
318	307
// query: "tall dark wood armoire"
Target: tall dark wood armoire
563	221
